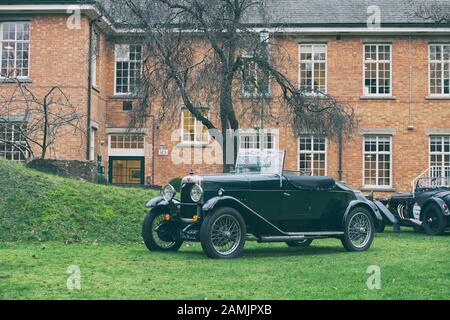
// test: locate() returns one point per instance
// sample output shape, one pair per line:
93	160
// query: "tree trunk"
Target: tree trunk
45	134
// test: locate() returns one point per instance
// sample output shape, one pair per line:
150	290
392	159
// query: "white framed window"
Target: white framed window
15	49
313	67
378	70
255	83
123	145
192	130
440	155
439	69
312	152
377	163
93	135
13	142
250	140
128	68
95	55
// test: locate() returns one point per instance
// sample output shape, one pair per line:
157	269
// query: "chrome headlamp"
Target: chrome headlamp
168	192
196	193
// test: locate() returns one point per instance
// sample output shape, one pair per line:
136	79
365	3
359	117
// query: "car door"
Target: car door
296	211
264	196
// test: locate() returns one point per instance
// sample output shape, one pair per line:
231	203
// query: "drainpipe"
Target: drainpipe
410	102
154	126
340	147
89	102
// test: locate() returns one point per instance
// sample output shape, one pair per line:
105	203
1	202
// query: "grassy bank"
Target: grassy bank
40	207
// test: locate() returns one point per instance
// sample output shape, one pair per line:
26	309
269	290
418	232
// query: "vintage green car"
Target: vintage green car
261	202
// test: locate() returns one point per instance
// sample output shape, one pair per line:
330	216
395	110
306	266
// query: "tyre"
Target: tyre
434	221
359	230
222	234
156	239
300	244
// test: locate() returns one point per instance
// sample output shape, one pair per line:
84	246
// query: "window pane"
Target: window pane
128	68
313	67
313	156
377	160
377	73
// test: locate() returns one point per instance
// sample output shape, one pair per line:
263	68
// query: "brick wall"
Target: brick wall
59	57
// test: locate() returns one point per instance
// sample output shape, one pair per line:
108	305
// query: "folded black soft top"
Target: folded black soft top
311	183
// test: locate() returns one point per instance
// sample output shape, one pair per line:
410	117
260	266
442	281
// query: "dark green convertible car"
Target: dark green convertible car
262	202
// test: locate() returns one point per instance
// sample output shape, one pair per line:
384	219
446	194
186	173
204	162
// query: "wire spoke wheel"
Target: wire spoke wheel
157	222
226	234
359	230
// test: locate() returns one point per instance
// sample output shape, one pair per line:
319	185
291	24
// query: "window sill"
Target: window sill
123	97
193	145
378	189
377	98
12	81
438	97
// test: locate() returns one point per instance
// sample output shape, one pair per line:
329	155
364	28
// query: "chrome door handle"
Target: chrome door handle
287	194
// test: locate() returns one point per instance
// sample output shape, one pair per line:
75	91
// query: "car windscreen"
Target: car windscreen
260	162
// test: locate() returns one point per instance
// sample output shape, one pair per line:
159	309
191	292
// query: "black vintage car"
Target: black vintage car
424	209
262	202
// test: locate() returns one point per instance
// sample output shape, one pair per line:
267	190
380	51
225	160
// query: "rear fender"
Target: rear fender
251	217
439	202
369	205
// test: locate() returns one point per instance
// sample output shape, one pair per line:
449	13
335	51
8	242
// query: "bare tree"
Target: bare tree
207	51
31	123
434	11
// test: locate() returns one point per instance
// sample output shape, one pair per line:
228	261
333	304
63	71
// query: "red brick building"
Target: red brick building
396	76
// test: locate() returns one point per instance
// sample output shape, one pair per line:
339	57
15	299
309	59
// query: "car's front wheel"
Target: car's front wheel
223	234
434	221
158	234
359	230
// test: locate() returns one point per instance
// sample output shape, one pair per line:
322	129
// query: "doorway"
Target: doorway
127	170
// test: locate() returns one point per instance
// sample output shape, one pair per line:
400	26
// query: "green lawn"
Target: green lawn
413	266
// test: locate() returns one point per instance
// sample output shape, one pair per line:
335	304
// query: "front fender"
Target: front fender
368	205
159	202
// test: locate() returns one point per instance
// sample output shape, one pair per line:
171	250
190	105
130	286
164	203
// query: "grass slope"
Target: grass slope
413	266
40	207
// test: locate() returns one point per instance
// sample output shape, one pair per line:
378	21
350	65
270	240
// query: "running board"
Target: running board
300	236
415	222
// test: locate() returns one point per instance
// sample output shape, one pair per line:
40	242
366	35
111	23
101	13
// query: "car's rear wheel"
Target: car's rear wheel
222	234
433	220
300	244
158	235
359	230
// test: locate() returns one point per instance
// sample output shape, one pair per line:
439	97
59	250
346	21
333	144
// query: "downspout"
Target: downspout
340	165
154	127
89	101
410	102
